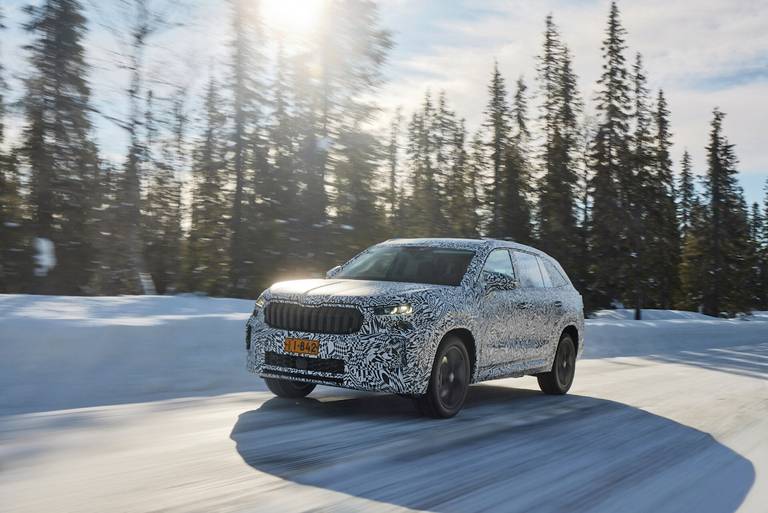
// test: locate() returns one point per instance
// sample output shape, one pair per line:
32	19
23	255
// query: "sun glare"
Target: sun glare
291	17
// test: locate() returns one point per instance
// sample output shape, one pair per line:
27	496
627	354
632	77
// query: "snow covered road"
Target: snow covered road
142	404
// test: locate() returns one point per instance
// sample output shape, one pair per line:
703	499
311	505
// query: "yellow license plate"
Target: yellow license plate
301	346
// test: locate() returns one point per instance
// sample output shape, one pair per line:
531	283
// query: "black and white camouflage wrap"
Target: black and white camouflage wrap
515	332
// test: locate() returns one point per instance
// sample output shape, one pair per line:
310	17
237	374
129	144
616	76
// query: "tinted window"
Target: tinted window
528	270
498	261
555	276
413	264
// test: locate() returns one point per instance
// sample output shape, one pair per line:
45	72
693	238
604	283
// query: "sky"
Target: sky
703	53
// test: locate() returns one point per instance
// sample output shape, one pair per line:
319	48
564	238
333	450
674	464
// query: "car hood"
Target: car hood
340	288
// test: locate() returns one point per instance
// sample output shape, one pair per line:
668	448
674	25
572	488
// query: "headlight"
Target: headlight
401	309
260	302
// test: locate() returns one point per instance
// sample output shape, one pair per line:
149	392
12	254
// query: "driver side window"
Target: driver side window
499	261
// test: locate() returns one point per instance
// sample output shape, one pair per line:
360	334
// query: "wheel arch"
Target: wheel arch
469	342
573	331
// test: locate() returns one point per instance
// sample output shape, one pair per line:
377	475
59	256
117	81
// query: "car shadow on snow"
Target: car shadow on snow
508	450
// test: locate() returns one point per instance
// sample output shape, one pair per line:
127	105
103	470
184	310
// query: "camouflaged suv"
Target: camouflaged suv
422	318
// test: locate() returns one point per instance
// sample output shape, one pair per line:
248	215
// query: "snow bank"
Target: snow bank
69	352
626	314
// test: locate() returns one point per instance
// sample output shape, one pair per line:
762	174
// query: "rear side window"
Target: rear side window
528	272
498	261
550	271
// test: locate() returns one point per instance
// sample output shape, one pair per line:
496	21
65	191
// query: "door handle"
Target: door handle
558	304
524	306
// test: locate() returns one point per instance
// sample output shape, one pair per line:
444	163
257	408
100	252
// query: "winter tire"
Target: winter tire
448	382
559	379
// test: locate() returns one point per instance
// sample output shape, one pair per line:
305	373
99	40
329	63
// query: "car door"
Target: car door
500	318
532	304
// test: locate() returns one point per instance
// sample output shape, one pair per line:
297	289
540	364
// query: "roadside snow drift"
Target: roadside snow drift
69	352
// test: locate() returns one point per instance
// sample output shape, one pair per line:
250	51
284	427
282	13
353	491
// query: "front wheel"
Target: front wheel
448	382
289	389
559	379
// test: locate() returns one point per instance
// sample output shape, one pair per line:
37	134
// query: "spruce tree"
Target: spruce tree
161	219
762	256
245	144
359	220
640	191
662	226
722	239
392	196
696	260
340	74
3	87
424	209
515	222
460	194
519	115
497	123
514	208
279	192
15	258
756	257
610	219
557	223
477	174
206	264
57	145
686	194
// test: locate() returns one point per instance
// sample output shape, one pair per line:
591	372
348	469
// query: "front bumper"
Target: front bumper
372	360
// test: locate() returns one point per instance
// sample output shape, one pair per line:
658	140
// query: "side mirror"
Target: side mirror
497	281
332	271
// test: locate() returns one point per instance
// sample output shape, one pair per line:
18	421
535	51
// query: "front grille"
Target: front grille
330	365
337	320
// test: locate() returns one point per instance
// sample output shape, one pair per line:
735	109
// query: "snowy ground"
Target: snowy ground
143	404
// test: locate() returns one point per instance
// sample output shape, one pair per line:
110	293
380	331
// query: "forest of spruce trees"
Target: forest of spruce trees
280	174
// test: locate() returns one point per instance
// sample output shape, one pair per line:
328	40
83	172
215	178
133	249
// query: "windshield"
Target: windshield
412	264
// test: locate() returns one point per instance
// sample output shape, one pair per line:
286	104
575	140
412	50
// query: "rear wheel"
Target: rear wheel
289	389
559	379
448	382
